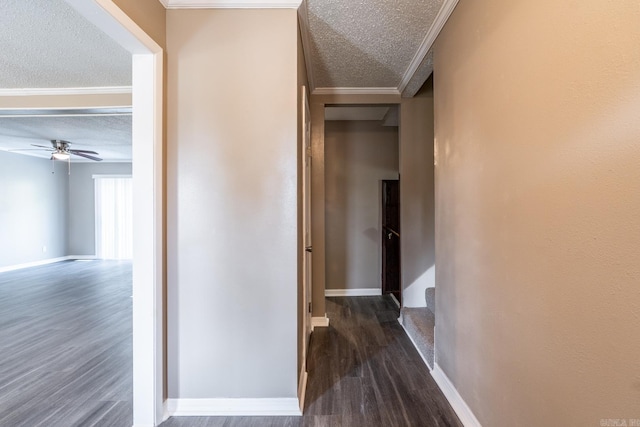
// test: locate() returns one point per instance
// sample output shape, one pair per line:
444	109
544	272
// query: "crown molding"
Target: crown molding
230	4
438	23
356	91
303	20
60	91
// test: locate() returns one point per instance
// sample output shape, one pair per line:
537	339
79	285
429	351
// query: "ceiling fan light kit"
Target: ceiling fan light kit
61	156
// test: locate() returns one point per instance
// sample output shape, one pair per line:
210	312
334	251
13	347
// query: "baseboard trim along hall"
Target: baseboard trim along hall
455	400
319	322
364	292
233	407
44	262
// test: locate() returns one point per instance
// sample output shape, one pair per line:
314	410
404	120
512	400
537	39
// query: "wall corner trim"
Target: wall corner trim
438	23
302	389
456	401
234	407
319	322
363	292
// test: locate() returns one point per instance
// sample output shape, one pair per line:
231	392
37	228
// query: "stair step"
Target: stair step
430	298
419	323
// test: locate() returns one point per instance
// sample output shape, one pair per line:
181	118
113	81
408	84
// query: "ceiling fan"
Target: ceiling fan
61	151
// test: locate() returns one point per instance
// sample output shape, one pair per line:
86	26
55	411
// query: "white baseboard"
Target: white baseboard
319	322
364	292
455	400
233	407
43	262
302	389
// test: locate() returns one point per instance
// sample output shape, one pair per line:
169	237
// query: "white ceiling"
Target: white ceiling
47	44
351	46
109	135
366	44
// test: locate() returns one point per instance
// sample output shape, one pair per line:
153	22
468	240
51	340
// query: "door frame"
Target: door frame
307	262
148	205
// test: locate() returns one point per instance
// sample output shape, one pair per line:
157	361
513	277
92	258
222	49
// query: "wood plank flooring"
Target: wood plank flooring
363	372
65	358
65	345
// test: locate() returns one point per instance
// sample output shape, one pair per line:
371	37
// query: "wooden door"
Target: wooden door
391	283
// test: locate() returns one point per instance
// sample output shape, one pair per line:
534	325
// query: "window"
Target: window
114	219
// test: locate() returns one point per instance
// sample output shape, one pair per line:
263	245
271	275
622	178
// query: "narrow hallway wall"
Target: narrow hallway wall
537	201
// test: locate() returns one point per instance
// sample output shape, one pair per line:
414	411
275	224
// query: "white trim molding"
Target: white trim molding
319	322
456	401
302	389
62	91
230	4
437	25
45	262
363	292
356	91
233	407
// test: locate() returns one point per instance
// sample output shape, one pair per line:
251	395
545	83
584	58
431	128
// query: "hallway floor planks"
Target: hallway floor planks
65	341
363	372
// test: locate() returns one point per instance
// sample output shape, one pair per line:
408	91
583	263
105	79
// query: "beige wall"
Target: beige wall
358	156
538	145
232	201
417	210
150	15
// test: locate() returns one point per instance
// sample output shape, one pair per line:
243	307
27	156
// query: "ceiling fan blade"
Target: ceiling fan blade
82	151
42	146
86	156
28	149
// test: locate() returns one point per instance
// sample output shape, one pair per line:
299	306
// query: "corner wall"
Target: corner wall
232	203
538	147
33	209
417	209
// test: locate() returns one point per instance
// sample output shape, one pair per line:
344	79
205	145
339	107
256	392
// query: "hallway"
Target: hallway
363	372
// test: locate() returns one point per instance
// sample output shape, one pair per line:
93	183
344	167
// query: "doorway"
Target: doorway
391	283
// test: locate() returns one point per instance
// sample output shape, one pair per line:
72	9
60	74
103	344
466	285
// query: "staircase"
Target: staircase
419	322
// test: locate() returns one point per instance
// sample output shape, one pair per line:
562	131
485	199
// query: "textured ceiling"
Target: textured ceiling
47	44
366	43
109	135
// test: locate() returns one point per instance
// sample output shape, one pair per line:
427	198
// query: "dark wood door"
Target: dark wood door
391	239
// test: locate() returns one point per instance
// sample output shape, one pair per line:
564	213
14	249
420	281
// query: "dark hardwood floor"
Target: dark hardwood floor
363	372
66	358
65	345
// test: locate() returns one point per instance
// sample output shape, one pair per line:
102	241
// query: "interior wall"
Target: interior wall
417	189
33	209
81	223
232	203
358	156
537	201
